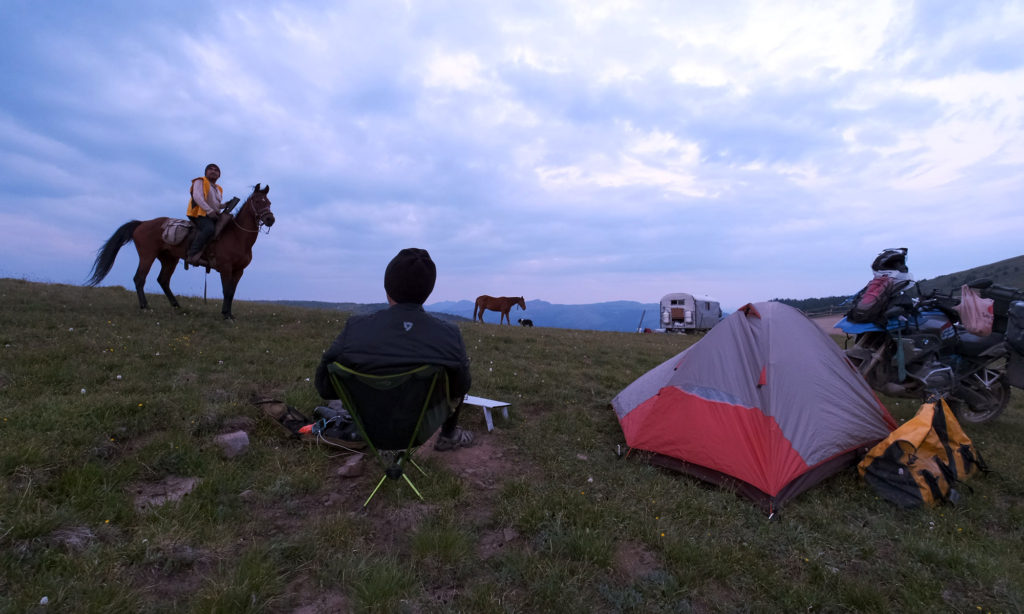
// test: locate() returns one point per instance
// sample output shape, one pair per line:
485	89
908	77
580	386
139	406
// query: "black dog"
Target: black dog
523	322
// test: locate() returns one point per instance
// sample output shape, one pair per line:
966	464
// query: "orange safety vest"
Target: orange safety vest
195	210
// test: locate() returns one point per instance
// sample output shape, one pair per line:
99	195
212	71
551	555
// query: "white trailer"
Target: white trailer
682	312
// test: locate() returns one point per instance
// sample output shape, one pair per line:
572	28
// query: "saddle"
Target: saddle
182	231
178	231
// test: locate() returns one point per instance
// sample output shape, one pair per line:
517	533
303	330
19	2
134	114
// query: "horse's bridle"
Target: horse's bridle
260	212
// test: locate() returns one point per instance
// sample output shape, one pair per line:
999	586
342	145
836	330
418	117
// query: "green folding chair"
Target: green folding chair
394	413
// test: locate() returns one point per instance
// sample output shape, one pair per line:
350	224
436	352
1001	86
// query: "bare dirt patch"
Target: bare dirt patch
324	602
483	465
634	562
483	468
155	494
74	538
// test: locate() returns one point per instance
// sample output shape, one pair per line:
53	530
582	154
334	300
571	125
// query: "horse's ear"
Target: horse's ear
257	188
266	189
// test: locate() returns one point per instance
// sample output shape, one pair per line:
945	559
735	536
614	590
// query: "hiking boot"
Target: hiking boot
285	415
329	413
337	429
460	438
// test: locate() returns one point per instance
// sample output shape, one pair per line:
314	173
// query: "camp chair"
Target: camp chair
395	413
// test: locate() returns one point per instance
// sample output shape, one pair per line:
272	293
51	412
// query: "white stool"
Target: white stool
487	405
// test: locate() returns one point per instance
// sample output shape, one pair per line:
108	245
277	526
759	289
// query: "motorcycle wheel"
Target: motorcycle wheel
879	373
997	397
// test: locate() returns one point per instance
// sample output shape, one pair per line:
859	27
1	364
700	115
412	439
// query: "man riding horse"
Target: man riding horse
203	209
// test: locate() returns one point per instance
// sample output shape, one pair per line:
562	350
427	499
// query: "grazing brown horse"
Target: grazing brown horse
497	303
229	254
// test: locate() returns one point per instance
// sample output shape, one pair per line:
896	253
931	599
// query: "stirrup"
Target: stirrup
199	262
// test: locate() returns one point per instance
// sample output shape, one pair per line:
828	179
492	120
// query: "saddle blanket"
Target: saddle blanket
175	231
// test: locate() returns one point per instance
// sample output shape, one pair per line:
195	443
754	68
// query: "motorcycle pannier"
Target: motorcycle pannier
921	462
1015	326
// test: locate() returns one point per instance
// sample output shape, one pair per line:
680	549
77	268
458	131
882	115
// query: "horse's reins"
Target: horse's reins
259	224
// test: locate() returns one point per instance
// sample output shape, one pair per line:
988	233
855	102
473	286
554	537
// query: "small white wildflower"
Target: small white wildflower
220	362
45	600
307	379
119	376
83	390
70	330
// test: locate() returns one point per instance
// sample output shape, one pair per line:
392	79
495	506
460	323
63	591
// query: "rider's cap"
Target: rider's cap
410	276
211	165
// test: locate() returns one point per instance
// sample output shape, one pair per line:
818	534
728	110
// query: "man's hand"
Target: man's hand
213	215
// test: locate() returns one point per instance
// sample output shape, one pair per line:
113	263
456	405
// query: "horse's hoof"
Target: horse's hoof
228	316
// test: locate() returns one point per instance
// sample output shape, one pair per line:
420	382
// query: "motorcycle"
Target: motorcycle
916	347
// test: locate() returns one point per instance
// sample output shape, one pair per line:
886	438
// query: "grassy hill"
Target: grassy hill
104	406
355	308
1009	272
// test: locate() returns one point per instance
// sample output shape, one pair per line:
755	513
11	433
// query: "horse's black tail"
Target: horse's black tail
106	254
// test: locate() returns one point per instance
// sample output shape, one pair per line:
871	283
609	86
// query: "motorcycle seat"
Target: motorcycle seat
973	345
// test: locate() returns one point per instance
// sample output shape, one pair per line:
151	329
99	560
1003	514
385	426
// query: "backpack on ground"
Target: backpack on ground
922	462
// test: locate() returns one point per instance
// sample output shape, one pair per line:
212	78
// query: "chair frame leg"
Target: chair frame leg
367	502
404	476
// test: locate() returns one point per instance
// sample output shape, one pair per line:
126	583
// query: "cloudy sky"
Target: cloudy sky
570	151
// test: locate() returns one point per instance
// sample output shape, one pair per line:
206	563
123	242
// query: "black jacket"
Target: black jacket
399	337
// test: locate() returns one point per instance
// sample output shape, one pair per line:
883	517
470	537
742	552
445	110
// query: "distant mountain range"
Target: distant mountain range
621	316
627	316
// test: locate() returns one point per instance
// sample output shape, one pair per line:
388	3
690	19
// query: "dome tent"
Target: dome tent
765	402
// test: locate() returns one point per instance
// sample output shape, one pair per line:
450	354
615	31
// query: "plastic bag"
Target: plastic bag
976	313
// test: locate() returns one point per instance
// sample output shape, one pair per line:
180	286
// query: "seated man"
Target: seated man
404	336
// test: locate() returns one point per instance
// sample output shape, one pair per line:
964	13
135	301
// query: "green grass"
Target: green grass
276	529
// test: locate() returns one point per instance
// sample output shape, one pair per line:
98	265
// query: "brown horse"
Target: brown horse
499	303
229	253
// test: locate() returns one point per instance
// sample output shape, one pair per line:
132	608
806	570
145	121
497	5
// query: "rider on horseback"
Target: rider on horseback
203	209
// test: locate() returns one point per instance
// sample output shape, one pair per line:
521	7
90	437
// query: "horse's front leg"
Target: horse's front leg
229	281
167	265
